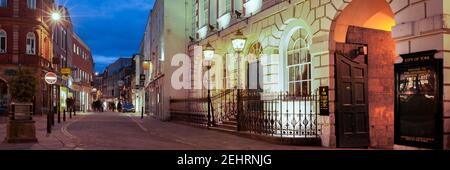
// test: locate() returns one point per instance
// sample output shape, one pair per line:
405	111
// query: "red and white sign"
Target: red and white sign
51	78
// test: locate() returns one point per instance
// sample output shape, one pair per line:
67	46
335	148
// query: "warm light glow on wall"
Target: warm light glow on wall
374	14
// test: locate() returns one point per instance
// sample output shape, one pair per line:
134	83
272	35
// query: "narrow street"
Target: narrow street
127	131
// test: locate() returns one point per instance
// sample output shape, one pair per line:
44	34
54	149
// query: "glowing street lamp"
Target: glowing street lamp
208	54
56	16
238	43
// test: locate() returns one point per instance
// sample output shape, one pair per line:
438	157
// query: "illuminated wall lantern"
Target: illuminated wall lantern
146	65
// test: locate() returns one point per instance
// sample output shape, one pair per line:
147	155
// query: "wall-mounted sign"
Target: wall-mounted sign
418	102
51	78
66	71
324	100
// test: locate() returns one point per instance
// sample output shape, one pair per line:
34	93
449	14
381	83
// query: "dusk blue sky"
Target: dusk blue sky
111	28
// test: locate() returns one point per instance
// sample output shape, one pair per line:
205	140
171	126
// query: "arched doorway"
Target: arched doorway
364	54
4	97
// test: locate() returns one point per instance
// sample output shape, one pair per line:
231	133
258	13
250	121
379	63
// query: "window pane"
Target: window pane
305	72
292	73
2	43
291	88
297	89
305	87
298	77
290	59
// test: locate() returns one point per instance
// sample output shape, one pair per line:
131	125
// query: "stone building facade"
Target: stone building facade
383	29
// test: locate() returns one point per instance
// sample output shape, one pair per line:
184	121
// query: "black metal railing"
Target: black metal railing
280	115
225	105
273	114
190	110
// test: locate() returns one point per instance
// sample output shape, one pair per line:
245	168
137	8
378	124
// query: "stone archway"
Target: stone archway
4	97
365	26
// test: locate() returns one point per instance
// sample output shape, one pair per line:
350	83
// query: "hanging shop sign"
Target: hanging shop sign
66	71
418	102
324	100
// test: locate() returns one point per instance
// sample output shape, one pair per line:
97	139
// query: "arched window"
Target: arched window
31	43
3	41
31	4
299	64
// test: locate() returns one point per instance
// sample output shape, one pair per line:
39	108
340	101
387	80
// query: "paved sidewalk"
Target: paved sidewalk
58	140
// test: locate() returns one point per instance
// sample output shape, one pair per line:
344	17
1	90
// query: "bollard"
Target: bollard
49	128
53	116
64	115
142	113
59	115
70	113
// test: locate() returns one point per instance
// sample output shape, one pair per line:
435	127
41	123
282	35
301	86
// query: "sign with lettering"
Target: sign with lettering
66	71
324	100
418	102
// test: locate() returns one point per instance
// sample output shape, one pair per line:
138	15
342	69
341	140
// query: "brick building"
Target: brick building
83	73
30	39
62	32
26	42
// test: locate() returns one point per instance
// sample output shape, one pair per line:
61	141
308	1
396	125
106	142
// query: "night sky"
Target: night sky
112	28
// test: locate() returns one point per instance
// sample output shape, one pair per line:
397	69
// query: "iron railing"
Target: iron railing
280	114
272	114
190	110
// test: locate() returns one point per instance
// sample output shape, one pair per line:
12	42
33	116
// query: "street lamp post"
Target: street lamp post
55	17
208	54
238	43
145	67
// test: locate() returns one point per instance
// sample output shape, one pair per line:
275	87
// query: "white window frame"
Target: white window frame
31	44
3	35
31	4
302	51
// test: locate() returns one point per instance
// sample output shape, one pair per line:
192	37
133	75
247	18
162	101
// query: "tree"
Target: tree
23	86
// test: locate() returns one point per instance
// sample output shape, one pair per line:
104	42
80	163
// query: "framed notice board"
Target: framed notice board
418	101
